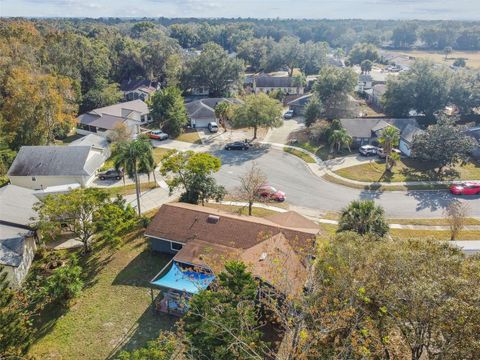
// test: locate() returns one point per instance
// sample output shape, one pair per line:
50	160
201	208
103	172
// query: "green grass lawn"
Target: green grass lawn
328	231
305	157
242	210
408	170
130	188
190	136
113	312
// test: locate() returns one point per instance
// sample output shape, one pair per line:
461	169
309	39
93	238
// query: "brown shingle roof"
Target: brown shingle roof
274	248
185	222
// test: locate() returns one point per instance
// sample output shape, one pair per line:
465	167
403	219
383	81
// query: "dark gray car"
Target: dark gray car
110	174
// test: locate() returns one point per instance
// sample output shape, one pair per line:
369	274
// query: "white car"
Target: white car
288	115
368	150
213	127
381	154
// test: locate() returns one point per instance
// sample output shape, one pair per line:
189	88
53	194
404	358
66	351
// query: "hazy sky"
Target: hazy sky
366	9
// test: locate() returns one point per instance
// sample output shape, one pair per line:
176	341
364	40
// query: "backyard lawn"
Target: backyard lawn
112	314
408	170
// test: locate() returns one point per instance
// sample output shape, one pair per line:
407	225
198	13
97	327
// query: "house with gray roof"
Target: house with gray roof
101	121
17	235
267	84
299	104
367	130
138	89
39	167
202	112
97	143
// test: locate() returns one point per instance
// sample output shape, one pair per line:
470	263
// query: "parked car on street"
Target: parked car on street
368	150
268	192
213	127
110	174
288	115
467	188
157	135
381	154
237	145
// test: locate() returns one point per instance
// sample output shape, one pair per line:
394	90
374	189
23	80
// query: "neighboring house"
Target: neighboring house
276	249
298	105
138	89
368	130
39	167
201	112
374	96
101	121
97	143
267	84
17	236
474	132
407	136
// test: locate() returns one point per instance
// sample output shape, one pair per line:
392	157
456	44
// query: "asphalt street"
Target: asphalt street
304	189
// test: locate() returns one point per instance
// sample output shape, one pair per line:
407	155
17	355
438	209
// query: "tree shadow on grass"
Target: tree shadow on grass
147	327
138	273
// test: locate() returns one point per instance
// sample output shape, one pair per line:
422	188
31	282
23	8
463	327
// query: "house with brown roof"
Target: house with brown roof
276	249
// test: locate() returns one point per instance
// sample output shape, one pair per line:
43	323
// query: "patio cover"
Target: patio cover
188	281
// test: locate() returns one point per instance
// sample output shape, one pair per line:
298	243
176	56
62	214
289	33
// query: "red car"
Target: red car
468	188
268	192
157	135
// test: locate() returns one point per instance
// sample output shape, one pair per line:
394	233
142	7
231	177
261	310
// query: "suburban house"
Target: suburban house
39	167
276	250
406	138
474	132
201	112
101	121
374	96
368	130
138	89
298	105
97	143
267	84
17	236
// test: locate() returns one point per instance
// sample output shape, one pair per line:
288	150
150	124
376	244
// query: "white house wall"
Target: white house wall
42	182
16	275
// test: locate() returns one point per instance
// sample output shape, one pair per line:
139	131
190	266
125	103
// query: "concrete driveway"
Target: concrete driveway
306	190
281	135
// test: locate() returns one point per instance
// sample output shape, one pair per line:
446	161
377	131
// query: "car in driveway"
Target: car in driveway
237	145
213	127
289	114
381	154
110	174
157	135
368	150
268	192
467	188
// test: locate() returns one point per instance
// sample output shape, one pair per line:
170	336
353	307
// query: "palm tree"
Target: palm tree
339	138
222	111
363	217
135	157
389	138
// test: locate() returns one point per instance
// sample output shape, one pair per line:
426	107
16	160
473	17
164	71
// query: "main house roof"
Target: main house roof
55	161
275	249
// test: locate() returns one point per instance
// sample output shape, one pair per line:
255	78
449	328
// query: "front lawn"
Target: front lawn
320	148
304	156
112	314
408	170
190	136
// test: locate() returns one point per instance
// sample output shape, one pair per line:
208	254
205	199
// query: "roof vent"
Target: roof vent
263	256
213	219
